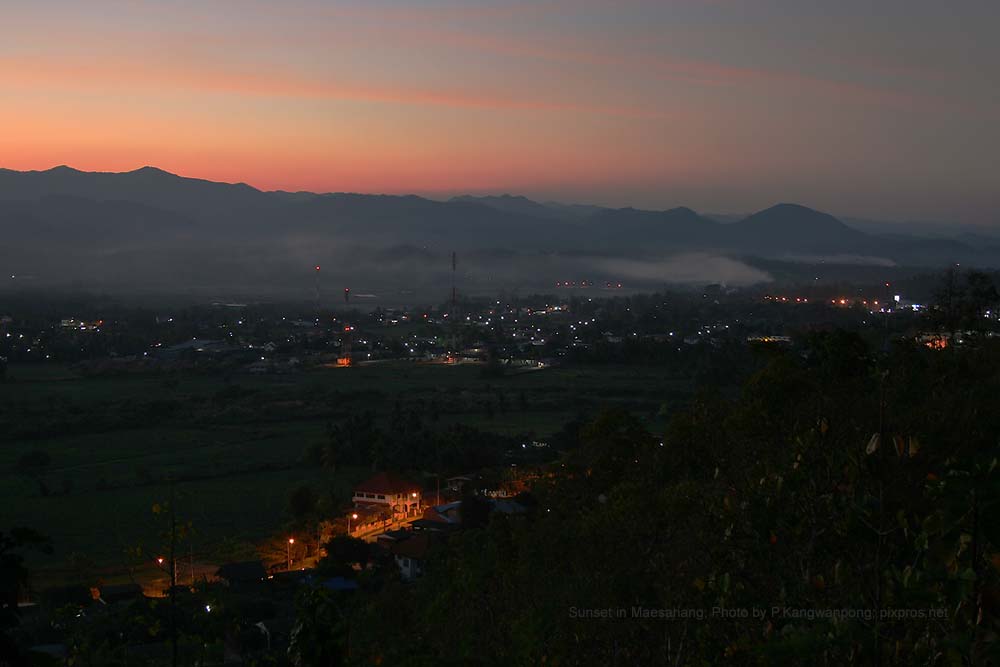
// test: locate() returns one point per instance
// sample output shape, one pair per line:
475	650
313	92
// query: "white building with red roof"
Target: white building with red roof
390	491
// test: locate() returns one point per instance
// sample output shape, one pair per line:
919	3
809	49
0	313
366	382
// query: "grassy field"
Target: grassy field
236	444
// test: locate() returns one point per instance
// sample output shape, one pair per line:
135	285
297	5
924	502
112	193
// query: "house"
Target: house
449	513
391	536
447	517
388	490
242	574
410	555
434	526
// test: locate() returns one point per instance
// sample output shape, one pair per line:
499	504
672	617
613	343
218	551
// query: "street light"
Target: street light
291	541
353	516
159	563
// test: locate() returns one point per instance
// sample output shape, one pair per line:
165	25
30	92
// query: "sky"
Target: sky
883	109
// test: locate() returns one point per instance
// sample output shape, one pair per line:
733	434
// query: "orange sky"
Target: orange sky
712	104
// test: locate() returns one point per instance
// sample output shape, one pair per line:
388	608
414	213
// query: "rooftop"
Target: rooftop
414	547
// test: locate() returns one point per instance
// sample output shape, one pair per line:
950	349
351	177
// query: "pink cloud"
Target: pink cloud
35	72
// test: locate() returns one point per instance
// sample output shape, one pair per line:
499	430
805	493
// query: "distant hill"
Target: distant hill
153	226
795	228
512	204
149	185
629	227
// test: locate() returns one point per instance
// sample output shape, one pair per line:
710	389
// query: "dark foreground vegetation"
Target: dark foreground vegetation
840	480
839	507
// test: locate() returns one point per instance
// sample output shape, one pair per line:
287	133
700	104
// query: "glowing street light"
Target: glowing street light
291	541
353	516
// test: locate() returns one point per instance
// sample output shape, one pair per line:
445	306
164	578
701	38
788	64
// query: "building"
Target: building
388	490
448	513
410	555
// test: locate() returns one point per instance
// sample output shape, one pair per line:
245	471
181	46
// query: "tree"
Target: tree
320	635
302	503
772	497
962	301
475	510
14	577
343	553
981	297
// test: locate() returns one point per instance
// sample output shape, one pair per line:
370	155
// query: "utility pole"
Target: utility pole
173	578
454	293
453	310
317	291
885	333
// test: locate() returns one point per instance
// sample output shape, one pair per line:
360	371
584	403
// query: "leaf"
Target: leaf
873	444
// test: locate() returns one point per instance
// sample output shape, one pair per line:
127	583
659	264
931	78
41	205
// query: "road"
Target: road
372	534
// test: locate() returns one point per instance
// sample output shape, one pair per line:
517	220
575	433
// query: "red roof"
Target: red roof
386	483
412	547
430	514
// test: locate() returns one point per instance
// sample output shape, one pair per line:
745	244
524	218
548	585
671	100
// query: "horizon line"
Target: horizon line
447	196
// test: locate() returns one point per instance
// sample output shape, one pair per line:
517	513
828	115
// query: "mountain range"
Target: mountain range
149	228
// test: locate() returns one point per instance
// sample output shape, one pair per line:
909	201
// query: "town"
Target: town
292	448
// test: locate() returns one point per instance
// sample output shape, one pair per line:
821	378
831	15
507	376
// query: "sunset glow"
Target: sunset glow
724	105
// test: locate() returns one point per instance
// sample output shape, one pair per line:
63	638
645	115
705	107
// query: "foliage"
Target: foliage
14	579
320	634
302	503
343	553
849	496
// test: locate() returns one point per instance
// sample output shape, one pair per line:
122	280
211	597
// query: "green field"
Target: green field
235	444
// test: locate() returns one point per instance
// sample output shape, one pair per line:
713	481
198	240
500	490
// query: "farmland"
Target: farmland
84	458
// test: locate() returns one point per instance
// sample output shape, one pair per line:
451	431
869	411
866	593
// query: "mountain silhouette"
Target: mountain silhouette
793	227
148	222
